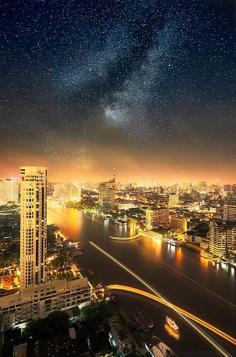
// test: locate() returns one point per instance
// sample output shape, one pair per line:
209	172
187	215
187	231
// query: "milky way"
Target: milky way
131	84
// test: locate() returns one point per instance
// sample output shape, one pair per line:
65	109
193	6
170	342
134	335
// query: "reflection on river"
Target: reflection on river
71	221
82	226
181	275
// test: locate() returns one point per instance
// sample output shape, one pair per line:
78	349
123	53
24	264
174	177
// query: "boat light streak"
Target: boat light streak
156	296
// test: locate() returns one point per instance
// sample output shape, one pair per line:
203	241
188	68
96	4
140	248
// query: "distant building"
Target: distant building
9	191
58	190
107	192
149	218
39	301
73	192
173	201
33	225
229	212
234	189
70	192
222	237
162	217
226	190
202	187
157	218
178	223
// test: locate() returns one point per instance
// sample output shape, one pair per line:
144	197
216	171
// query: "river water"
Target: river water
179	274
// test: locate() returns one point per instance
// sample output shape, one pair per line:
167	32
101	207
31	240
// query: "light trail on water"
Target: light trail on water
184	314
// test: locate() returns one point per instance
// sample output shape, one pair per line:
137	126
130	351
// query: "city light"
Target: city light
117	142
183	312
158	297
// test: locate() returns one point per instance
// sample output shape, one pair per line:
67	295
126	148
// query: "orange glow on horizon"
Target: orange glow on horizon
142	174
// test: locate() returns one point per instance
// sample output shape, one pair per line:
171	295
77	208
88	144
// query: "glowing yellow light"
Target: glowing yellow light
176	308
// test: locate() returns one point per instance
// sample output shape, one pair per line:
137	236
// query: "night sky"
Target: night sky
144	86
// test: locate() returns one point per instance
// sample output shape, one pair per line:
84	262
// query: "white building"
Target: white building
33	225
222	237
70	192
39	301
173	201
9	191
229	212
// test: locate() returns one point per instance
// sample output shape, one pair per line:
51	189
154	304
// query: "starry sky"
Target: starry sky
147	87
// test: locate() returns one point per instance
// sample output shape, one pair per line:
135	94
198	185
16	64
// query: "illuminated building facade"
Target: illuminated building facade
149	218
157	218
226	190
107	193
179	224
222	236
73	192
38	301
229	212
33	225
162	217
70	192
217	239
9	191
173	201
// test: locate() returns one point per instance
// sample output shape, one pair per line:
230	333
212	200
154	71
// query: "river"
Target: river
179	274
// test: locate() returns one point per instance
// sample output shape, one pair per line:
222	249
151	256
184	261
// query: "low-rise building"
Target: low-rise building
39	301
156	218
178	223
120	338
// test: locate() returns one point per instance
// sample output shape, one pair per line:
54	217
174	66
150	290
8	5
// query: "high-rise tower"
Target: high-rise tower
33	225
107	192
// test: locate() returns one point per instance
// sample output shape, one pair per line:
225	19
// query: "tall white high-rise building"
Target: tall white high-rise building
9	190
33	225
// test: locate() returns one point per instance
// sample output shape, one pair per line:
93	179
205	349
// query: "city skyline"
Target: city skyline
117	178
146	87
138	181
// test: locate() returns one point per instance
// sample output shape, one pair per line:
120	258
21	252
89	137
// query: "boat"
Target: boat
174	241
158	348
143	321
90	273
224	263
77	252
127	320
114	298
205	255
171	323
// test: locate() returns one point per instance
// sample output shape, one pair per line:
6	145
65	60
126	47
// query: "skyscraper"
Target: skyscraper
33	225
107	192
